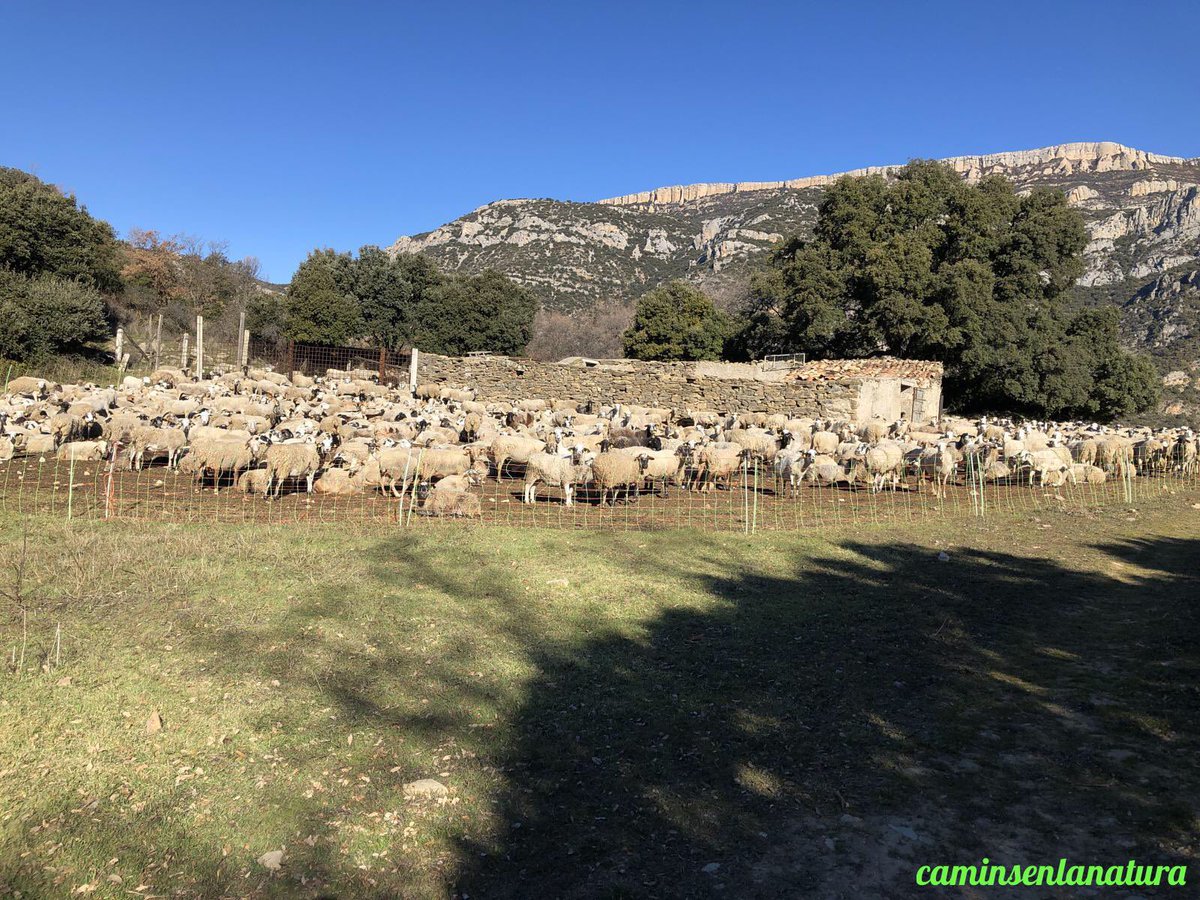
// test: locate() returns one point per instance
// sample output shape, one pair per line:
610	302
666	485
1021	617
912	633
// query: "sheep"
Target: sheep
883	462
220	456
1085	473
789	468
512	448
1049	466
455	504
664	465
715	463
37	388
945	465
874	431
561	468
761	444
613	471
291	459
83	451
825	442
252	481
826	473
152	440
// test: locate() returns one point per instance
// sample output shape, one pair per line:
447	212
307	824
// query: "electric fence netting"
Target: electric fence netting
343	440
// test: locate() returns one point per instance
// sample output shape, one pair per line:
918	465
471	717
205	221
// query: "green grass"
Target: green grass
790	707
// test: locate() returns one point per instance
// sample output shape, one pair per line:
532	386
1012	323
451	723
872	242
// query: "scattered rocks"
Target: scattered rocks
425	789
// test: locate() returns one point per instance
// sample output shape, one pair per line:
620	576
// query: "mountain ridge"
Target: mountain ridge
1141	209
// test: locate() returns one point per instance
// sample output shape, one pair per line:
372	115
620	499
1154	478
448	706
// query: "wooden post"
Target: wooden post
246	348
183	354
412	370
291	359
199	346
241	330
382	365
120	344
158	340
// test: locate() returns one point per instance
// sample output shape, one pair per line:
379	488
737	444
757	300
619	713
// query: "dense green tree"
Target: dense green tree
483	312
391	292
320	306
43	231
676	322
44	315
927	266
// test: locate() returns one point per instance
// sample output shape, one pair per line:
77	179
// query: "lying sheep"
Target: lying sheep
252	481
454	504
83	451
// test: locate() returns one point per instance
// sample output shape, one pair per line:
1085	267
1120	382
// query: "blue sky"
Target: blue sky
279	127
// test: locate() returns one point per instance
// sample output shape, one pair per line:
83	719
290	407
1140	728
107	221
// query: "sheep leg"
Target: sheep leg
267	489
568	494
311	475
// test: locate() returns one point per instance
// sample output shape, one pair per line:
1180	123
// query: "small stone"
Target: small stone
711	869
272	860
559	582
425	788
64	681
848	819
943	556
154	724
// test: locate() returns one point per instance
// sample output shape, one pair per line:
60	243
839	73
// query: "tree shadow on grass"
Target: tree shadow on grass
820	731
824	734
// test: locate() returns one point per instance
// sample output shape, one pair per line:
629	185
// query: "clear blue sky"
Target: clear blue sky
280	127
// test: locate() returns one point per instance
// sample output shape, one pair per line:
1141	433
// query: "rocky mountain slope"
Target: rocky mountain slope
1142	210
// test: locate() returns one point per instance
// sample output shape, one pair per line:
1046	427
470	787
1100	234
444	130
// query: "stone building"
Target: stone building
843	389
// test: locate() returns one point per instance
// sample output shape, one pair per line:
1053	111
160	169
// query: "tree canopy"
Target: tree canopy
392	301
676	322
42	315
44	231
926	266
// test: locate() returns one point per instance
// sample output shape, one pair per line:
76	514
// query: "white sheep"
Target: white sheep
563	468
291	459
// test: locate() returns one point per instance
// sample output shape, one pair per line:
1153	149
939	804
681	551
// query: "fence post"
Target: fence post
245	348
158	340
120	344
291	359
382	364
412	370
241	330
199	346
183	354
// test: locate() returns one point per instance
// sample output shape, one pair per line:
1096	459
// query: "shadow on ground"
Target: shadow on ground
823	734
815	732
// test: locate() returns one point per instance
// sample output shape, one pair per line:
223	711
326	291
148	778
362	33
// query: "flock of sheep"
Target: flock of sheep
344	433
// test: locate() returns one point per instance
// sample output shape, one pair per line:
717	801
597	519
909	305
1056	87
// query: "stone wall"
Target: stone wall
721	387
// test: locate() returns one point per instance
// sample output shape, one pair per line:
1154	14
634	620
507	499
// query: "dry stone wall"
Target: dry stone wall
693	386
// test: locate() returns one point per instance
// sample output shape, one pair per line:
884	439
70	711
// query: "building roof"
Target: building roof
875	367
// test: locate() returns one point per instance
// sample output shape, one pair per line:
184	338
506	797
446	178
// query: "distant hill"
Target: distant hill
1142	210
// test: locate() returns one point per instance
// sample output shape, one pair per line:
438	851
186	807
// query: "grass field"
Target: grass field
642	714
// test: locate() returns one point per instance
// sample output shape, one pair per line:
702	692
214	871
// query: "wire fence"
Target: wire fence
752	501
